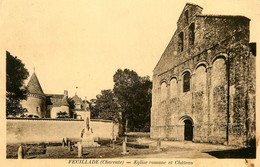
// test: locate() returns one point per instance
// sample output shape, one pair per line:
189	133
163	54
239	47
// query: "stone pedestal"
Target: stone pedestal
88	140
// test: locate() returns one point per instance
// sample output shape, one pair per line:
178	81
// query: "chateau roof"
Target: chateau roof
77	99
34	86
64	101
57	100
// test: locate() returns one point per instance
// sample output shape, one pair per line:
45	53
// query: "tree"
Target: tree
71	106
142	104
105	106
16	74
134	96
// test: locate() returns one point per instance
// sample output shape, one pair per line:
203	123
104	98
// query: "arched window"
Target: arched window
192	34
186	81
200	78
163	91
180	42
219	72
186	17
173	87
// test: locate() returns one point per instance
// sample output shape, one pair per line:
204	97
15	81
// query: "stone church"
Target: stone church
204	83
50	105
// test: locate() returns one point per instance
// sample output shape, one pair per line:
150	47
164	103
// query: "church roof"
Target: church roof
34	86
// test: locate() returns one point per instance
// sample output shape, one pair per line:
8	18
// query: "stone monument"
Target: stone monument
87	138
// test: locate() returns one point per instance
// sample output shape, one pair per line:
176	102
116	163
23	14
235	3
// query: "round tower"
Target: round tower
36	100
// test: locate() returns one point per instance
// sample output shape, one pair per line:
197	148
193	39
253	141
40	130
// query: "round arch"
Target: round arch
186	80
183	118
162	81
188	127
184	71
173	76
219	55
201	63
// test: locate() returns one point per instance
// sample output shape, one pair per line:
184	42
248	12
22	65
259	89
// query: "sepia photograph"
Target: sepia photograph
129	83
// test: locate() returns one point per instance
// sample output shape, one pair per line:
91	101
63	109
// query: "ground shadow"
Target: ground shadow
237	153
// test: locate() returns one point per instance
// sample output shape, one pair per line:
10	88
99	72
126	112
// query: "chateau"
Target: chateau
50	105
43	123
204	83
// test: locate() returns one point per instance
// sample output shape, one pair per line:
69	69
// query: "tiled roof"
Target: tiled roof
222	16
34	86
57	100
77	99
64	101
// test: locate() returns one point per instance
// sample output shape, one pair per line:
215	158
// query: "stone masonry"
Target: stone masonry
204	82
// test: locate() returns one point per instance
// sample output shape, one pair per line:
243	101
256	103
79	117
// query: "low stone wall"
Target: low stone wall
24	130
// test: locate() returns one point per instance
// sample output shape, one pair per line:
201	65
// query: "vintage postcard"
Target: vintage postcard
129	83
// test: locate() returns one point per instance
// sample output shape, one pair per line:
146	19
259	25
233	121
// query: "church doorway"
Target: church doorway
188	130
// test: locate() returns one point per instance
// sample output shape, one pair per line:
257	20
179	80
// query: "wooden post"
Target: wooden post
63	142
69	145
126	124
124	148
159	144
113	144
66	141
20	152
44	148
80	150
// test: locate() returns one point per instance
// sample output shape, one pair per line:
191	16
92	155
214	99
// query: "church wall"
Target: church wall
251	103
54	130
221	101
200	98
218	102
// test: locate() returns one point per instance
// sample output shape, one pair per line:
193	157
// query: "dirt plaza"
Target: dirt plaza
138	146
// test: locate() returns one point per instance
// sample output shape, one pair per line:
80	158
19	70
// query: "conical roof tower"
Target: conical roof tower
34	86
36	99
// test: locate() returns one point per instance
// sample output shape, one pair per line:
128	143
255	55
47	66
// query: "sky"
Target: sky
82	43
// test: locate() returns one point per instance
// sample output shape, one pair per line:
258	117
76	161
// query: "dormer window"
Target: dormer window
192	34
180	42
186	17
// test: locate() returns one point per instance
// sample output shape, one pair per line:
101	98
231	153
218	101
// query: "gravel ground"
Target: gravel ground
138	147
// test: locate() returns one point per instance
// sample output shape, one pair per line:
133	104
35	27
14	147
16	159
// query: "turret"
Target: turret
36	100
